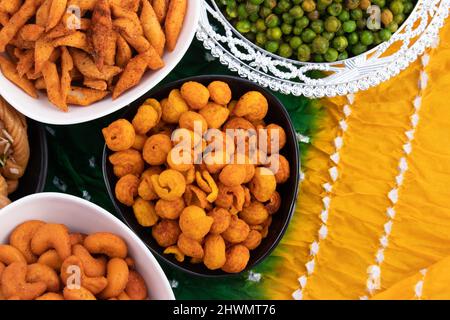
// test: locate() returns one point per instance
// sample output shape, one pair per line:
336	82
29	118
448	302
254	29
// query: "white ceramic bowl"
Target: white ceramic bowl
43	111
82	216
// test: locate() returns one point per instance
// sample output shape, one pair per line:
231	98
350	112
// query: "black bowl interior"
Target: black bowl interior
35	175
277	114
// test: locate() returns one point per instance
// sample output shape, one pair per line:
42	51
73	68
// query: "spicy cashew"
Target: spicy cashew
14	283
136	288
41	273
9	254
52	236
51	258
21	238
106	243
78	294
95	284
93	267
117	275
50	296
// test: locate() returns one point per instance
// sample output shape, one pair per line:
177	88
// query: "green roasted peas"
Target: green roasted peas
343	55
295	42
296	12
251	8
303	22
253	17
264	12
392	27
328	35
331	55
352	4
396	7
340	43
272	21
270	4
344	16
243	26
261	39
385	34
376	38
335	9
309	5
256	2
285	50
356	14
283	6
286	28
323	4
380	3
408	7
349	26
304	53
242	12
318	58
366	38
361	24
274	33
297	31
231	10
288	18
359	48
317	26
272	46
308	35
315	15
260	25
399	18
353	38
332	24
320	45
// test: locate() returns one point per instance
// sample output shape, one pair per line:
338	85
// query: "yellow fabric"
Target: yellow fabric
373	145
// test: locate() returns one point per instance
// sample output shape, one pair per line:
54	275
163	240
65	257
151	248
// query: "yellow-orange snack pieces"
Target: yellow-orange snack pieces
233	175
253	106
253	240
220	92
214	248
190	247
263	184
254	214
179	255
169	209
222	220
173	107
237	259
194	222
190	119
169	185
166	233
145	189
237	231
119	135
156	149
127	162
215	114
127	189
144	211
195	94
145	119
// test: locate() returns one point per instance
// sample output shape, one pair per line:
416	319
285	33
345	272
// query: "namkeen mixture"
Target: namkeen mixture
14	150
80	51
45	261
202	171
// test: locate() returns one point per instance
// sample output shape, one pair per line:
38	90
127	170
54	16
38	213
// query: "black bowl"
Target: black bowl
35	175
277	114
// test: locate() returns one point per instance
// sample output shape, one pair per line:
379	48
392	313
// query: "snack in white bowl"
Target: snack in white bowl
94	73
81	216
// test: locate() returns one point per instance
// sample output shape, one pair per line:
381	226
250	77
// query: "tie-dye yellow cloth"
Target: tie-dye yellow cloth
373	217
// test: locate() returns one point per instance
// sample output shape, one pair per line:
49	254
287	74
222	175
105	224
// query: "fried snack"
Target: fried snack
253	240
216	160
96	84
254	214
10	6
190	247
173	107
145	213
237	259
237	231
274	131
53	85
281	168
41	273
145	119
222	219
92	267
180	159
21	237
119	135
127	189
66	78
127	162
139	142
160	7
117	275
9	255
166	233
189	120
14	283
57	9
179	256
84	96
156	149
106	243
195	94
51	258
87	67
174	21
102	32
215	114
214	257
194	196
274	203
263	184
25	63
136	288
233	175
169	185
124	53
194	222
145	189
9	70
169	209
152	28
207	183
220	92
51	236
230	198
252	106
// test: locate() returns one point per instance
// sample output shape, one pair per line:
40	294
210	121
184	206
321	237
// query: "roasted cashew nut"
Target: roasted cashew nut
136	288
78	294
9	254
51	258
15	285
117	274
21	238
106	243
41	273
52	236
93	267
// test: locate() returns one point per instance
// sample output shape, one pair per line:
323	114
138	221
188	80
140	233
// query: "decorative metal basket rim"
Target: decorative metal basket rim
369	69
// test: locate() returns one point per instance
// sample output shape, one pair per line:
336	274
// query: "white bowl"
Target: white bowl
43	111
85	217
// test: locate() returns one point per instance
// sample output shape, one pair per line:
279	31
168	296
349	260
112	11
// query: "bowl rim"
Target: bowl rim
116	105
49	196
298	62
292	205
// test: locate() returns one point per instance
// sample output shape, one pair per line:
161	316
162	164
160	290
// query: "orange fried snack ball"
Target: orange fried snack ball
237	259
173	107
166	233
253	106
194	222
195	94
169	185
215	115
145	189
119	135
253	240
220	92
263	184
280	167
156	149
233	175
145	214
254	214
214	248
127	189
222	220
169	209
237	231
190	119
145	119
274	131
190	247
127	162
